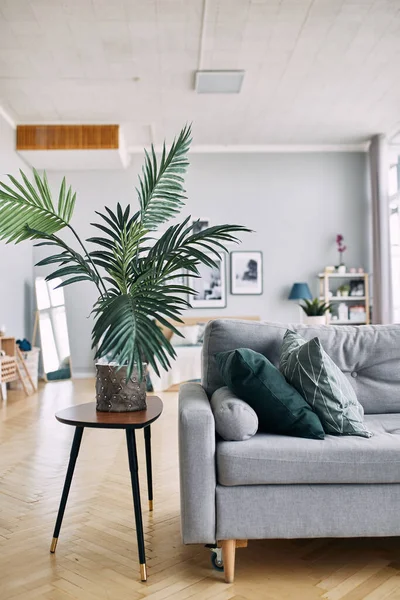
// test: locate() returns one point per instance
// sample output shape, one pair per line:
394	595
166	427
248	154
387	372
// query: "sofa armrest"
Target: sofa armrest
197	465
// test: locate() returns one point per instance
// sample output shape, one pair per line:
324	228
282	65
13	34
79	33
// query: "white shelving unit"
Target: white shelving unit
325	281
343	298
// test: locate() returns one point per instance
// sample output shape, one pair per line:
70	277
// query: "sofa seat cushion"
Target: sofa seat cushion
277	459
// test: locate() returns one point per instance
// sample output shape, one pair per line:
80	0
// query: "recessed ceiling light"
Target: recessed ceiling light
219	82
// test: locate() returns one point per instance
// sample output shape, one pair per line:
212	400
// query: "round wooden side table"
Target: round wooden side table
85	415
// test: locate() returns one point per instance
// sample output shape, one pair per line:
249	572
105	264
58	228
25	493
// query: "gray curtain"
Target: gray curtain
381	263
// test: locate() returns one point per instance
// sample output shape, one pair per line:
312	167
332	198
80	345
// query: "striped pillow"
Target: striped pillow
309	369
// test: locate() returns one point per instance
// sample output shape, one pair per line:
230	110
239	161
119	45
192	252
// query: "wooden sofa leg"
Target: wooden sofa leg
228	555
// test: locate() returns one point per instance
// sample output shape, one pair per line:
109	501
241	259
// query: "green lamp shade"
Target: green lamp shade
300	291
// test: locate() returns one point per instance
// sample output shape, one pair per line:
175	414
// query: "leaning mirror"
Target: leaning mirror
52	320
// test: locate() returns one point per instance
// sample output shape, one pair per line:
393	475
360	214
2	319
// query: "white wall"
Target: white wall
295	203
16	261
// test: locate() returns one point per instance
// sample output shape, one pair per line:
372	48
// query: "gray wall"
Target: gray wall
16	262
295	203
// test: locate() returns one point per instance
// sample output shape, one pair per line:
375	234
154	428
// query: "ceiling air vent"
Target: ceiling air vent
219	82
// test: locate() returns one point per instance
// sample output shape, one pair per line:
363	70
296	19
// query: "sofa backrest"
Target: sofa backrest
369	355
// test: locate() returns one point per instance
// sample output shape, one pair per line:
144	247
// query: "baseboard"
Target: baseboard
83	374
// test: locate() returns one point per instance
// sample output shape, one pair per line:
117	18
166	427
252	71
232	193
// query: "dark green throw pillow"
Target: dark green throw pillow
279	407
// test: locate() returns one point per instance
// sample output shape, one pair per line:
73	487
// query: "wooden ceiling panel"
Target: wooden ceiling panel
67	137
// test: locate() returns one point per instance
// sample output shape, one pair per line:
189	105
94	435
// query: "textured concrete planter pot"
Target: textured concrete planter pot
114	393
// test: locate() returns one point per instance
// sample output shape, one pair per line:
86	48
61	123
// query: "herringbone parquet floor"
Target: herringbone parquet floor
96	556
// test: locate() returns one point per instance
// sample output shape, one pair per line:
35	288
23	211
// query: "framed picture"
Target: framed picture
200	224
246	273
179	280
210	286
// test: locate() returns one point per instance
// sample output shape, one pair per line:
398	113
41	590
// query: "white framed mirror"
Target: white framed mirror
51	318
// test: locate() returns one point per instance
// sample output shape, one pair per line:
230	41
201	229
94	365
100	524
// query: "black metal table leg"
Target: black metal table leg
133	466
68	479
147	442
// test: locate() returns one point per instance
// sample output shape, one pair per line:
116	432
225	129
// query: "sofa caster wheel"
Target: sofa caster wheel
216	560
216	557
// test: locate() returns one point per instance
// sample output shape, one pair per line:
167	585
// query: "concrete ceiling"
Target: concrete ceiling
317	71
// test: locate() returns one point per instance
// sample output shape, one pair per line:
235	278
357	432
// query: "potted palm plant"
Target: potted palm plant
315	311
134	272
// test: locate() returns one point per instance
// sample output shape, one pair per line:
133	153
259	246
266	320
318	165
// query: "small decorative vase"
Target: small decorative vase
341	269
115	394
343	311
320	320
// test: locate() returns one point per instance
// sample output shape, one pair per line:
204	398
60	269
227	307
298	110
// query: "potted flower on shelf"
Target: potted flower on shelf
315	311
341	268
135	274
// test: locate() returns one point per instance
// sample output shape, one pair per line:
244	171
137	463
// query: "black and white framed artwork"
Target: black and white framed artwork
210	286
246	273
200	224
179	280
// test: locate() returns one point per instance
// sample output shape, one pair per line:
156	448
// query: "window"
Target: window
394	199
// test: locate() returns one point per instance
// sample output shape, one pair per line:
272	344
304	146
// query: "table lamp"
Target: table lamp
300	291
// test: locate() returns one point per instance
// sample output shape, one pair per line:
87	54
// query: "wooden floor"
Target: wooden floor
96	555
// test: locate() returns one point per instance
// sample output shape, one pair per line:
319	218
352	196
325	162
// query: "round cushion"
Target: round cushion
235	420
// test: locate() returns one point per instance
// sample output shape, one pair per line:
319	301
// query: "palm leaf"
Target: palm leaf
125	329
161	193
29	206
180	249
70	262
122	327
121	247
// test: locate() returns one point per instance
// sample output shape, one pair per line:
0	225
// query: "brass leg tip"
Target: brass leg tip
143	573
53	545
150	505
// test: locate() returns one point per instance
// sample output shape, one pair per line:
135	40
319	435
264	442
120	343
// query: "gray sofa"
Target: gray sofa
273	486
